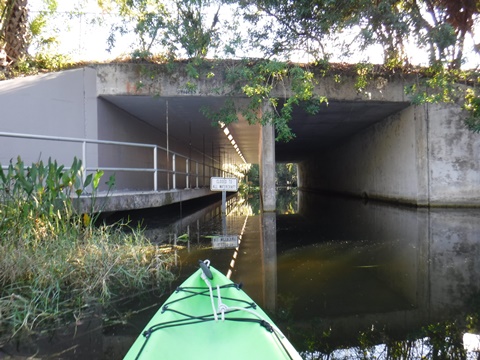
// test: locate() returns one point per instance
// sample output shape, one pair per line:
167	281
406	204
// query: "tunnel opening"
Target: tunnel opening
355	148
286	175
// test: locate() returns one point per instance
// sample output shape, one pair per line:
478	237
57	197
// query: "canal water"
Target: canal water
343	278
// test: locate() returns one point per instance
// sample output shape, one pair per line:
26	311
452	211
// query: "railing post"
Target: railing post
187	175
174	180
196	174
84	160
155	171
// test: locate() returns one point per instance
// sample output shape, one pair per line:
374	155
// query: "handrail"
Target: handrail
154	169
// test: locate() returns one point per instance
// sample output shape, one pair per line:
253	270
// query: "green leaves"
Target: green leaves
472	105
44	192
282	85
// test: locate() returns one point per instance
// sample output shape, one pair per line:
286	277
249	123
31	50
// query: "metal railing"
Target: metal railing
171	170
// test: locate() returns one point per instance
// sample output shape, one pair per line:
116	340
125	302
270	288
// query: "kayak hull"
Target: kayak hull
220	322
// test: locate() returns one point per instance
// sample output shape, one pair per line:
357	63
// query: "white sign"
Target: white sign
225	242
223	184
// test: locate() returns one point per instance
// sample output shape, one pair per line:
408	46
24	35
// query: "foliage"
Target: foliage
441	85
274	88
190	29
145	18
42	194
40	40
286	174
56	261
364	71
177	28
6	8
472	105
438	86
253	175
283	27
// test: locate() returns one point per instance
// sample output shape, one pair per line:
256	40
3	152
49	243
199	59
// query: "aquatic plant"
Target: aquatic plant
55	261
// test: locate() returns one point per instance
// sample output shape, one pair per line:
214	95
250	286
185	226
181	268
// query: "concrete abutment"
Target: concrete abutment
421	156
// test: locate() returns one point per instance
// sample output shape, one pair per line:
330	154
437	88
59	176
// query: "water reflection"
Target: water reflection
341	277
337	268
354	266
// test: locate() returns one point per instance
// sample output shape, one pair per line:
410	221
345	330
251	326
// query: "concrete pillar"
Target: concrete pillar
422	138
267	166
269	242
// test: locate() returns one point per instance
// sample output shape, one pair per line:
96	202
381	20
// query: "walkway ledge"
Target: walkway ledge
121	201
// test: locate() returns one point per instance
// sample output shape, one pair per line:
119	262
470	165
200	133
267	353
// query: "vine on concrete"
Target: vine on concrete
472	105
285	85
441	85
281	85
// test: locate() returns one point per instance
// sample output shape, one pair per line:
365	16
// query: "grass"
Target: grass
55	263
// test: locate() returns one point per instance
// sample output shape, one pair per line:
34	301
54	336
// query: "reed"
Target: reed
54	261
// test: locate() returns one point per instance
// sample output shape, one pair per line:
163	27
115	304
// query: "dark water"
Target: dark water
344	279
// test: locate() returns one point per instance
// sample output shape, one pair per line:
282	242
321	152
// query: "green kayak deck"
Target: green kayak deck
219	321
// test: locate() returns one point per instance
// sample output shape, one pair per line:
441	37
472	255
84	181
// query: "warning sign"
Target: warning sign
223	184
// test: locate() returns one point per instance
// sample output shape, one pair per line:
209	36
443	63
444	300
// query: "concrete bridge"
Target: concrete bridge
373	144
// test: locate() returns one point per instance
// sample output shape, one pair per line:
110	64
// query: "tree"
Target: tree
190	28
178	28
146	18
13	31
280	27
452	21
286	174
253	175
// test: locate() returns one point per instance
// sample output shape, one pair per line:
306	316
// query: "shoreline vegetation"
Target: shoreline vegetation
56	263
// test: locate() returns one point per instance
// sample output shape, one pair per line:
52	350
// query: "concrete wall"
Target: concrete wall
422	155
454	158
116	124
57	104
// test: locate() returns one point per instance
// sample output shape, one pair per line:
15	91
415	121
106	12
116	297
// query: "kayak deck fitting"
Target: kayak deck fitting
210	317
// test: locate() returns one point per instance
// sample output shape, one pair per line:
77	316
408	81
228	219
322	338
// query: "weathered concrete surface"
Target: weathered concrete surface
161	80
120	201
56	104
364	143
453	158
422	156
267	168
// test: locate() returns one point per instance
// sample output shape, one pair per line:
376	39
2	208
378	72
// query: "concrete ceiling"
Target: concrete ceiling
187	123
333	124
313	133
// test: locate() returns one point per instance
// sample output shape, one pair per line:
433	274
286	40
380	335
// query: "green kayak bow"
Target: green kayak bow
210	317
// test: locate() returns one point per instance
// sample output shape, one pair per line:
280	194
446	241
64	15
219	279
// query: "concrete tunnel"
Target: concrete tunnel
371	143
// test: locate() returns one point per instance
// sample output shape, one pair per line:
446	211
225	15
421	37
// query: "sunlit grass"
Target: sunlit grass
58	277
55	265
